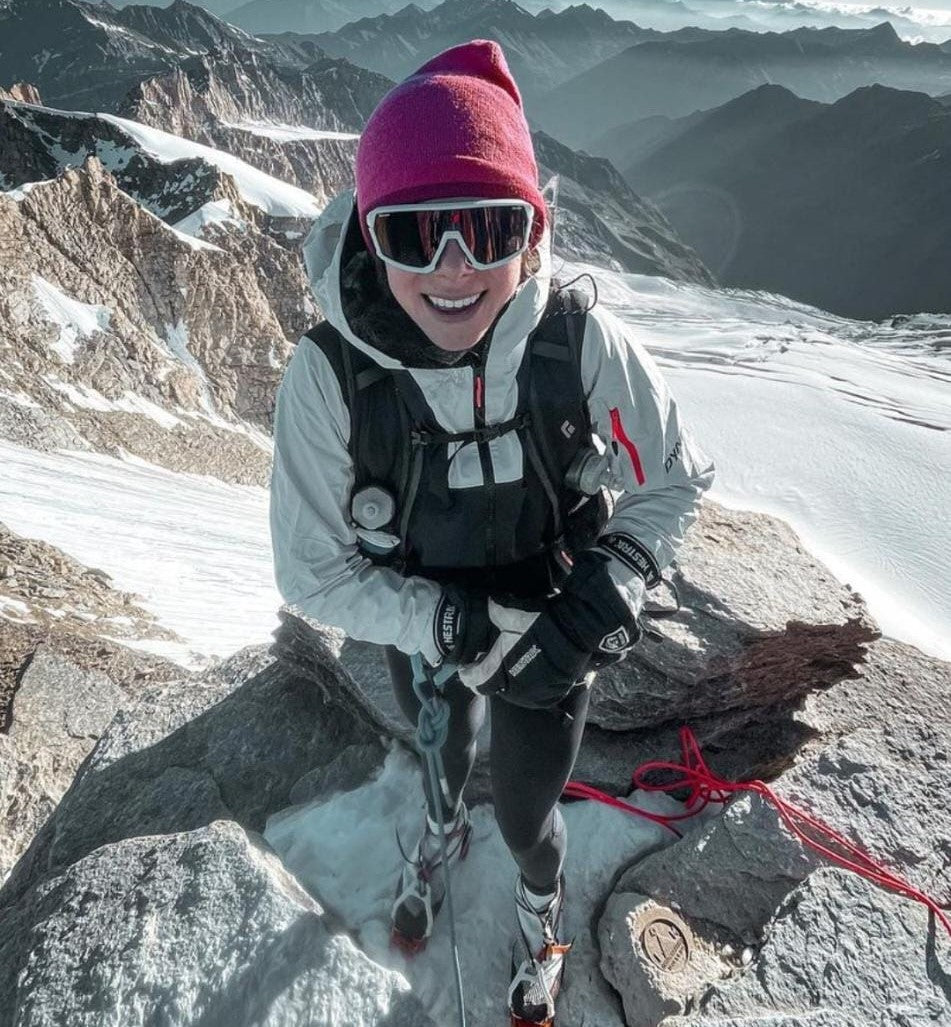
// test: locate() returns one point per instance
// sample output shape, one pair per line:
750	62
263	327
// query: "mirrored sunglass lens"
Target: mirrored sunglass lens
412	237
400	239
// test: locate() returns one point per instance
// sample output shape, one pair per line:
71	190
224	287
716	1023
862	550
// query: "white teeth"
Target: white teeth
453	304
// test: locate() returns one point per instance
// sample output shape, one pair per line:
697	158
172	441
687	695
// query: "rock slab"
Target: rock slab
840	952
199	928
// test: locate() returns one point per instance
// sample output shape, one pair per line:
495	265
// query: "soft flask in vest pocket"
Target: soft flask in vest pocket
373	510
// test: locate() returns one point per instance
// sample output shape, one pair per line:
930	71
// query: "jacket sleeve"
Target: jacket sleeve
658	467
317	564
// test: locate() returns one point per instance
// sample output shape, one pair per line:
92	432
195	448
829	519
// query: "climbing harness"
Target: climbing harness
432	729
706	787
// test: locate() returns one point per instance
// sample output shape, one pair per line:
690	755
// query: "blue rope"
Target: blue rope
432	730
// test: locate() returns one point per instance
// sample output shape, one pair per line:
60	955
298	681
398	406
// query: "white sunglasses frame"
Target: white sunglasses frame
452	234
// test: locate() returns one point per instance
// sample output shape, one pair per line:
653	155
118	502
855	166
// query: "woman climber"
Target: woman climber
471	466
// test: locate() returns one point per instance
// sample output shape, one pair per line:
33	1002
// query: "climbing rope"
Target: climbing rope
432	729
706	787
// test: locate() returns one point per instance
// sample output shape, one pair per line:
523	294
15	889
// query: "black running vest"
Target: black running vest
511	537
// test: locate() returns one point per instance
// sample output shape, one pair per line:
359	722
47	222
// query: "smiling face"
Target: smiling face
455	279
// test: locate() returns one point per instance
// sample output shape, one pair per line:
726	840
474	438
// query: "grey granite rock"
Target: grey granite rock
762	622
221	745
349	769
54	705
875	767
198	928
840	951
59	709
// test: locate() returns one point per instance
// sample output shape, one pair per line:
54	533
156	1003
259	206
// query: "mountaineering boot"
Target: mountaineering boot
536	980
422	885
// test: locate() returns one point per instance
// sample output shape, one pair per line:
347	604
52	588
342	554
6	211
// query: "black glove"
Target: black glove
464	633
592	612
541	668
588	625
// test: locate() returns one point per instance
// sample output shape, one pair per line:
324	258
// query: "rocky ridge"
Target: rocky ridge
43	589
295	17
122	336
149	302
299	126
63	674
87	56
215	89
601	220
738	921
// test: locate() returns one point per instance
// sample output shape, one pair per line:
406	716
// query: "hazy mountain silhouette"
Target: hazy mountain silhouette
843	205
675	77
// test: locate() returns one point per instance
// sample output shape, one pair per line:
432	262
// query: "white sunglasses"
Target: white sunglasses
412	236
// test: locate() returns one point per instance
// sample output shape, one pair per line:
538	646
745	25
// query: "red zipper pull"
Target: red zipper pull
479	392
619	435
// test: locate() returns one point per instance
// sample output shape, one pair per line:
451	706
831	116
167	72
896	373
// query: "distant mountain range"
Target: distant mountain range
306	16
675	77
846	206
88	56
584	76
309	15
542	50
747	192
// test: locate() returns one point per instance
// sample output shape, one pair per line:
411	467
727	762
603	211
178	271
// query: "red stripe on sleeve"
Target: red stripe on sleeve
620	435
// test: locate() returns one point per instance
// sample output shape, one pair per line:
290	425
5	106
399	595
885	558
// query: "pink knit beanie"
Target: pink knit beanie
453	128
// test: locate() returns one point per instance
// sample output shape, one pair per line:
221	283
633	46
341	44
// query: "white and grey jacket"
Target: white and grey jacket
318	565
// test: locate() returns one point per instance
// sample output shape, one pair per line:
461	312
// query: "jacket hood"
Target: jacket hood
359	304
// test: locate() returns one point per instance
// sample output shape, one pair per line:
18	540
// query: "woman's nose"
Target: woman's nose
453	259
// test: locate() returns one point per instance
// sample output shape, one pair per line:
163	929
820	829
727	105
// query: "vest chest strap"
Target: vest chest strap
423	437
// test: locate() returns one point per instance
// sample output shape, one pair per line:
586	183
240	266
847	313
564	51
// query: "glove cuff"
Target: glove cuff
449	623
462	629
633	554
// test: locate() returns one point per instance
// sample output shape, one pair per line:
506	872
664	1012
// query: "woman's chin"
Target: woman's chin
452	338
457	345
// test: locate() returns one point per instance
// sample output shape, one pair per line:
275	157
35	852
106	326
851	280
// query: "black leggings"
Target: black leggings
531	757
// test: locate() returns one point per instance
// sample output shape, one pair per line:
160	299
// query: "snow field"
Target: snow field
344	851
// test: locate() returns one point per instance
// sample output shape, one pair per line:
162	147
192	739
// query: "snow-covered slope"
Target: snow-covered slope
840	427
277	198
195	548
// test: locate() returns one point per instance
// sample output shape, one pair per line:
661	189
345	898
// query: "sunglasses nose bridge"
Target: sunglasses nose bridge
453	256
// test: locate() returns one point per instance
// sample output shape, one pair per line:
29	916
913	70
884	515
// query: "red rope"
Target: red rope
705	787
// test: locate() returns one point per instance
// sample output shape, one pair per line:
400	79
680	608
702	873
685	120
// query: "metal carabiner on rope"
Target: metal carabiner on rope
432	730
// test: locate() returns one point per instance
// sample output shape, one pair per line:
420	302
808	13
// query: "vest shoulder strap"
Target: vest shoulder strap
356	375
